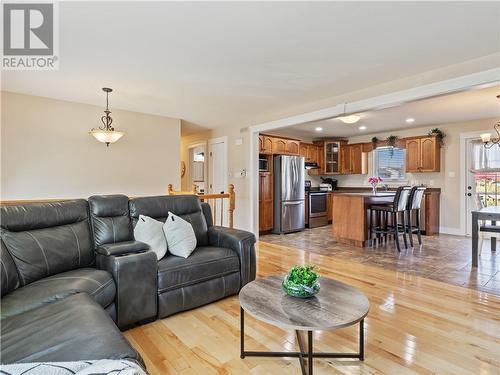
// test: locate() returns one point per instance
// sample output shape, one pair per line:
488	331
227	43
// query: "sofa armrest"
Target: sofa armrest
135	276
240	241
122	248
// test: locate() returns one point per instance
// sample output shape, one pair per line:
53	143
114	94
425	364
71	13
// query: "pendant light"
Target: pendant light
106	133
487	139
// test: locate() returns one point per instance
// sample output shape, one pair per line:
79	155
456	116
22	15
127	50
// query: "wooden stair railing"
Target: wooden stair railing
214	200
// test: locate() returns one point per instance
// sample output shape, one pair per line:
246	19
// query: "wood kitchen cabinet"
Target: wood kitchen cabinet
292	147
423	154
279	146
284	146
265	201
265	145
329	201
309	151
332	157
352	159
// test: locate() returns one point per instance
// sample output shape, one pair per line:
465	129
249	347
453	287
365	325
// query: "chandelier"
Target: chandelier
486	137
106	133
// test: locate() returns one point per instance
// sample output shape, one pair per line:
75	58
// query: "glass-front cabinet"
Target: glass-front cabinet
332	157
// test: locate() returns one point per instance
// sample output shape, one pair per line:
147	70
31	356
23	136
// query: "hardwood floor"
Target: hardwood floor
415	326
442	257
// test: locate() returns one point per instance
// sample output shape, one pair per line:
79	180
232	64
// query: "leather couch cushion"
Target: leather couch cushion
110	219
98	284
187	207
8	271
205	263
72	329
47	238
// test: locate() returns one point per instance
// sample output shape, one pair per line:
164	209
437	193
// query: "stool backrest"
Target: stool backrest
416	197
401	198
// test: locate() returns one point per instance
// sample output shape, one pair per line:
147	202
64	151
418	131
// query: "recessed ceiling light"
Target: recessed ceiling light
362	127
410	120
319	129
351	119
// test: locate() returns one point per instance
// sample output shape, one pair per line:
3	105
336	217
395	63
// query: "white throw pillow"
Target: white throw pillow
180	236
150	231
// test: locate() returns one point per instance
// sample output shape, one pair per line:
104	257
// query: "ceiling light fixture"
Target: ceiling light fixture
351	119
486	137
410	120
362	127
319	129
106	133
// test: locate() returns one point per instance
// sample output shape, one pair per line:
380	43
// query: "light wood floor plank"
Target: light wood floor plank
415	326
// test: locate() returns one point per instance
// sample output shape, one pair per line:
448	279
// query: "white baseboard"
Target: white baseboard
453	231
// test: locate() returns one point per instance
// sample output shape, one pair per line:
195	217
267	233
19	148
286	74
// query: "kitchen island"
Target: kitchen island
350	215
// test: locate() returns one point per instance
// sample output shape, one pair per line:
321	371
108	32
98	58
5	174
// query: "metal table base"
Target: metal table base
305	357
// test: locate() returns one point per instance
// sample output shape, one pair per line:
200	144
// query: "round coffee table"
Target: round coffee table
337	305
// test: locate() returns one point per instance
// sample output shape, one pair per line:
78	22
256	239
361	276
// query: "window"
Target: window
390	164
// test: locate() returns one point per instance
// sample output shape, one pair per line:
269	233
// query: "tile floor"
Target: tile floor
442	257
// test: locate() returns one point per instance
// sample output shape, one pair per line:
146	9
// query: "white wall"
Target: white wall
46	151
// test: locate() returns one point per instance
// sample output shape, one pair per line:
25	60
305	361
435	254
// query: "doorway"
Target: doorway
483	178
197	167
217	171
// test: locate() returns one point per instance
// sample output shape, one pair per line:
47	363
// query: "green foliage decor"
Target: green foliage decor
438	133
302	281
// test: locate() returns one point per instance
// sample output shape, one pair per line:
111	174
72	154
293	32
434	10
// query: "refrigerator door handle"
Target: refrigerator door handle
292	203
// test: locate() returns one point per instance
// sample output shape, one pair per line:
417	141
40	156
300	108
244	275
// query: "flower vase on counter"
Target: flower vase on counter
374	181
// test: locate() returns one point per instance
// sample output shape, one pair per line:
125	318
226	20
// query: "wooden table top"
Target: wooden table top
337	305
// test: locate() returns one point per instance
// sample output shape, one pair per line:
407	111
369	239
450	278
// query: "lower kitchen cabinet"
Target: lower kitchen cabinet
329	211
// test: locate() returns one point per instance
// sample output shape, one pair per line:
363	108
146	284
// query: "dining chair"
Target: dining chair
396	210
481	223
413	209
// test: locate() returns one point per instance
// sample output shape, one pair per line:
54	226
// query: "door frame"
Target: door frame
189	147
464	137
486	78
211	142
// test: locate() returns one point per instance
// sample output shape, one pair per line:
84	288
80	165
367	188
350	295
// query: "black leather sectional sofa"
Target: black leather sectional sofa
72	275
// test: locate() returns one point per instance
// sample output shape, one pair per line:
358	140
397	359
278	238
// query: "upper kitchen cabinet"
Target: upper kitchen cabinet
353	159
265	145
423	154
309	151
284	146
292	147
332	157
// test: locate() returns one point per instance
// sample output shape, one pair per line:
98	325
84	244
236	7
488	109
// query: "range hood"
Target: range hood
309	165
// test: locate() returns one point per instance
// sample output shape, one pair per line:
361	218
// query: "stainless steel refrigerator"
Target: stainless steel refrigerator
289	192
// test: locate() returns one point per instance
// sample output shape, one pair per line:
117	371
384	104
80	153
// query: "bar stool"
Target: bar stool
396	209
414	205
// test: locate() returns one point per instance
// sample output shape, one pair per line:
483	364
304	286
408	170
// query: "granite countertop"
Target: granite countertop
361	189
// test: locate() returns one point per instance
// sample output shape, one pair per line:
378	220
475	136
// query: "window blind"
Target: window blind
390	164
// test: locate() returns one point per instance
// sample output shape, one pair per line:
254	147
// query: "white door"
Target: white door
218	177
482	178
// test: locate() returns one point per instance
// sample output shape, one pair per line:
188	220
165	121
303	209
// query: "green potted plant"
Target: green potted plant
375	141
302	282
438	133
391	142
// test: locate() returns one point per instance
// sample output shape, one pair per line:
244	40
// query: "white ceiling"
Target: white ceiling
217	64
453	108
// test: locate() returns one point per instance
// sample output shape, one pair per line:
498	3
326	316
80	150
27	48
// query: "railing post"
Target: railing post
232	203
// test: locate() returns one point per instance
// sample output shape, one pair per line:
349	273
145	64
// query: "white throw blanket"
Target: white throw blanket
101	367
